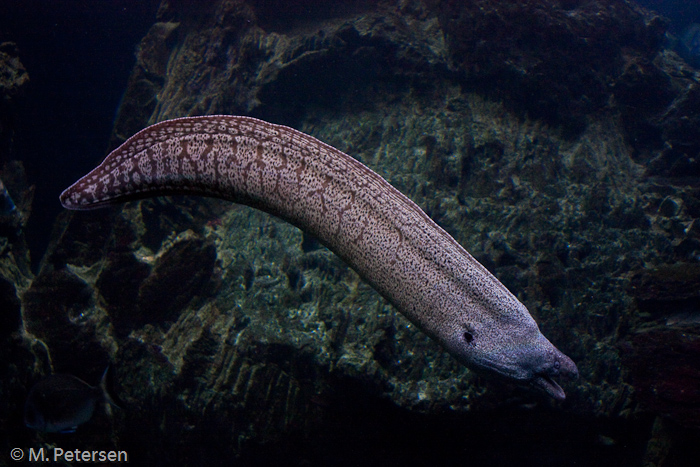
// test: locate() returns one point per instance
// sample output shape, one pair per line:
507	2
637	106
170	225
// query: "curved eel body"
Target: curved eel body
379	232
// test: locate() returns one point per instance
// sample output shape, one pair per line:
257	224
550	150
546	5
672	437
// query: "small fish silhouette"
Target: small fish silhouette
7	206
690	43
60	402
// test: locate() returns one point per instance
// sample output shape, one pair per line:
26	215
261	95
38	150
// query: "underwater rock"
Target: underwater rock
154	49
531	53
19	196
21	358
58	311
16	194
13	76
10	317
668	291
78	240
146	79
244	56
155	290
180	274
663	351
658	97
663	366
13	83
119	283
154	222
7	205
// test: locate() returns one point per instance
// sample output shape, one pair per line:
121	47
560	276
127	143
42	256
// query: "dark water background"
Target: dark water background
78	54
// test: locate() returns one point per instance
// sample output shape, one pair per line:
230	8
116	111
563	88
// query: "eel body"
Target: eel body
358	215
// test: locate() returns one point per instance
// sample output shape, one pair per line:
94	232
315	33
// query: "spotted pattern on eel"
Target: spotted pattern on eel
379	232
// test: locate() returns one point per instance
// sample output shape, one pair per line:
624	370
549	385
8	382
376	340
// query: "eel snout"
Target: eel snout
559	366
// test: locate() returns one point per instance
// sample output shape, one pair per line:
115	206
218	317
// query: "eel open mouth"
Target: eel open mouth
547	384
544	380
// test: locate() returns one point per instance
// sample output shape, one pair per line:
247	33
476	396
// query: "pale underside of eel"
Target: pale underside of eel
379	232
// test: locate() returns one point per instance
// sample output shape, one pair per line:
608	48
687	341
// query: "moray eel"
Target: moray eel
379	232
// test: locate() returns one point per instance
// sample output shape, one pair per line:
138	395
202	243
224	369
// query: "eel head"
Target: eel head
511	347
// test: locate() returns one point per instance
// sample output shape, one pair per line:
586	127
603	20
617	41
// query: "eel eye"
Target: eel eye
468	337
